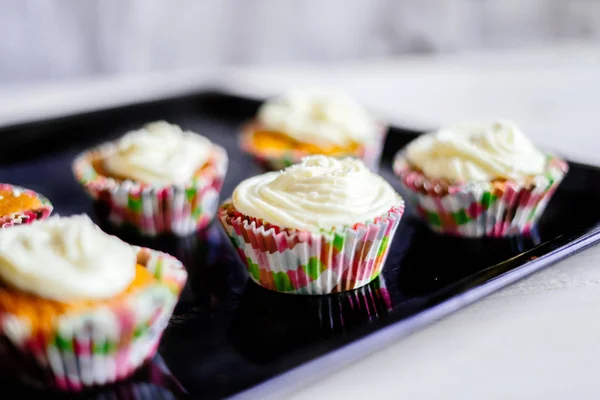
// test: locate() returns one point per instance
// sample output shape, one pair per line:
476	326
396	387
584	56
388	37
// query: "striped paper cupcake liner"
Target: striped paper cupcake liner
370	154
97	345
25	216
302	262
480	209
151	210
151	382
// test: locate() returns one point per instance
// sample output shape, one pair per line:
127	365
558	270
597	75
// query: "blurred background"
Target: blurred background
415	63
65	39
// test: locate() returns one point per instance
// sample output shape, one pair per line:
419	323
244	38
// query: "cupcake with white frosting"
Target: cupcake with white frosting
79	307
321	226
158	179
479	179
312	121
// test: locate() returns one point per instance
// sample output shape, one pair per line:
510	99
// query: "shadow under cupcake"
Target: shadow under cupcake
269	326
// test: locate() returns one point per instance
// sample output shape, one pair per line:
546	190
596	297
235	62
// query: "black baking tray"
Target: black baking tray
230	337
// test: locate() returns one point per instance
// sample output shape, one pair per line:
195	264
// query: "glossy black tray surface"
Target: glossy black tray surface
230	337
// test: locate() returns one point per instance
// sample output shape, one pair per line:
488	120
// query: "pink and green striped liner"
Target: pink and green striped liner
25	216
153	210
478	209
311	263
274	161
100	345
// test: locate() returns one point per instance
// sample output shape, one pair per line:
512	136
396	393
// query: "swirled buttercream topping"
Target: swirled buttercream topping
159	153
318	193
317	116
476	152
65	259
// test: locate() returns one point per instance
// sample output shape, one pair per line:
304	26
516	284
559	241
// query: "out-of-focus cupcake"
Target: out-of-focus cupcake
21	206
476	179
79	307
312	121
321	226
158	179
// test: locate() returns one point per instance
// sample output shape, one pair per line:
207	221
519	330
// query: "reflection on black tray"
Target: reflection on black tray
269	325
227	334
449	258
152	381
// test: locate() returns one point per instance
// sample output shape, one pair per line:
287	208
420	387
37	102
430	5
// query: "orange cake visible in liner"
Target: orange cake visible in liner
264	140
10	204
42	312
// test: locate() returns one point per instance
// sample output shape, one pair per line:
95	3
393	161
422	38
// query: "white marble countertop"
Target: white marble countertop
536	339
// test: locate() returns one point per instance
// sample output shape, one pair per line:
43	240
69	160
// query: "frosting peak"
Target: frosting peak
476	151
159	153
318	193
65	259
318	116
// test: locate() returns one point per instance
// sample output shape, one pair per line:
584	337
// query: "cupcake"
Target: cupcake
477	179
21	206
318	227
309	122
158	179
79	307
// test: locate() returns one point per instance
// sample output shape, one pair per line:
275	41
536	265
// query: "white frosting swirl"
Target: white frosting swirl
318	116
476	152
318	193
66	259
159	153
